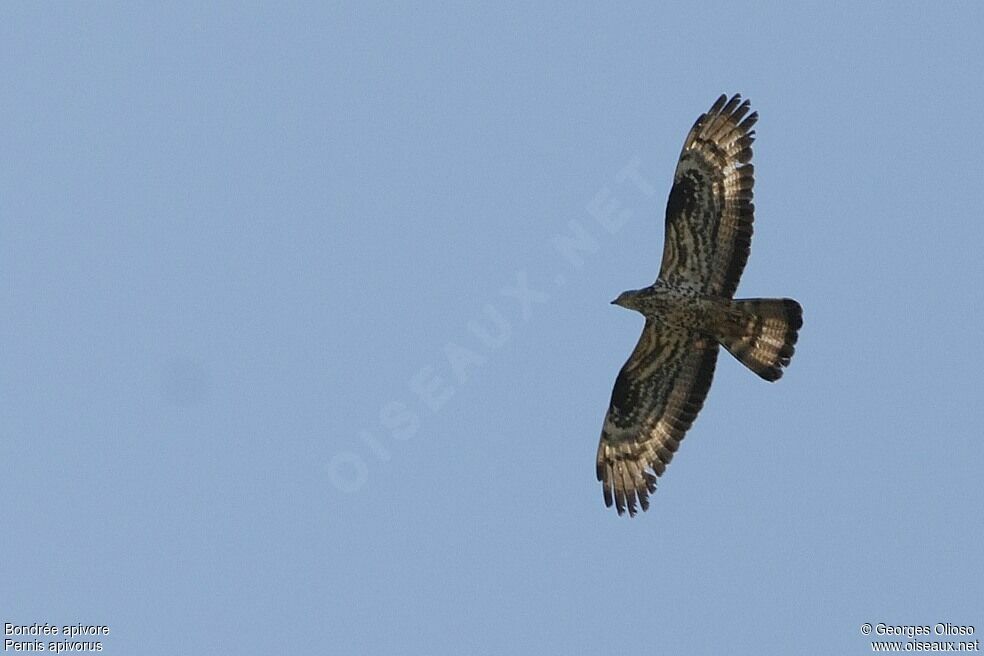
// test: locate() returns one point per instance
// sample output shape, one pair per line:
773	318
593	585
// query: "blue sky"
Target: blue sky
297	357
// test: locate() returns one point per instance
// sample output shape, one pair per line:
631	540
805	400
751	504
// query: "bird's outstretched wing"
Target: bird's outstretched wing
709	213
657	395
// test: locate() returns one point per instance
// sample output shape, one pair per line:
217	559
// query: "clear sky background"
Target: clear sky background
268	385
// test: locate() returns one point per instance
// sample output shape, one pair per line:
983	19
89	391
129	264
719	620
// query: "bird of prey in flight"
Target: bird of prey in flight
690	311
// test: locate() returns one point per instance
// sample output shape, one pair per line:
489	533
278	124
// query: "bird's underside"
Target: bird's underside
690	311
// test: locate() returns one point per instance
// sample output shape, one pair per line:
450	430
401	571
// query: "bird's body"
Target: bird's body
678	307
690	310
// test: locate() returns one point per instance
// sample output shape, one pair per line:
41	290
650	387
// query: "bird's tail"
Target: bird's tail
761	333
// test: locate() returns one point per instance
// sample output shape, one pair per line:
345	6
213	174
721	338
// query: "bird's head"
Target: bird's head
629	299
